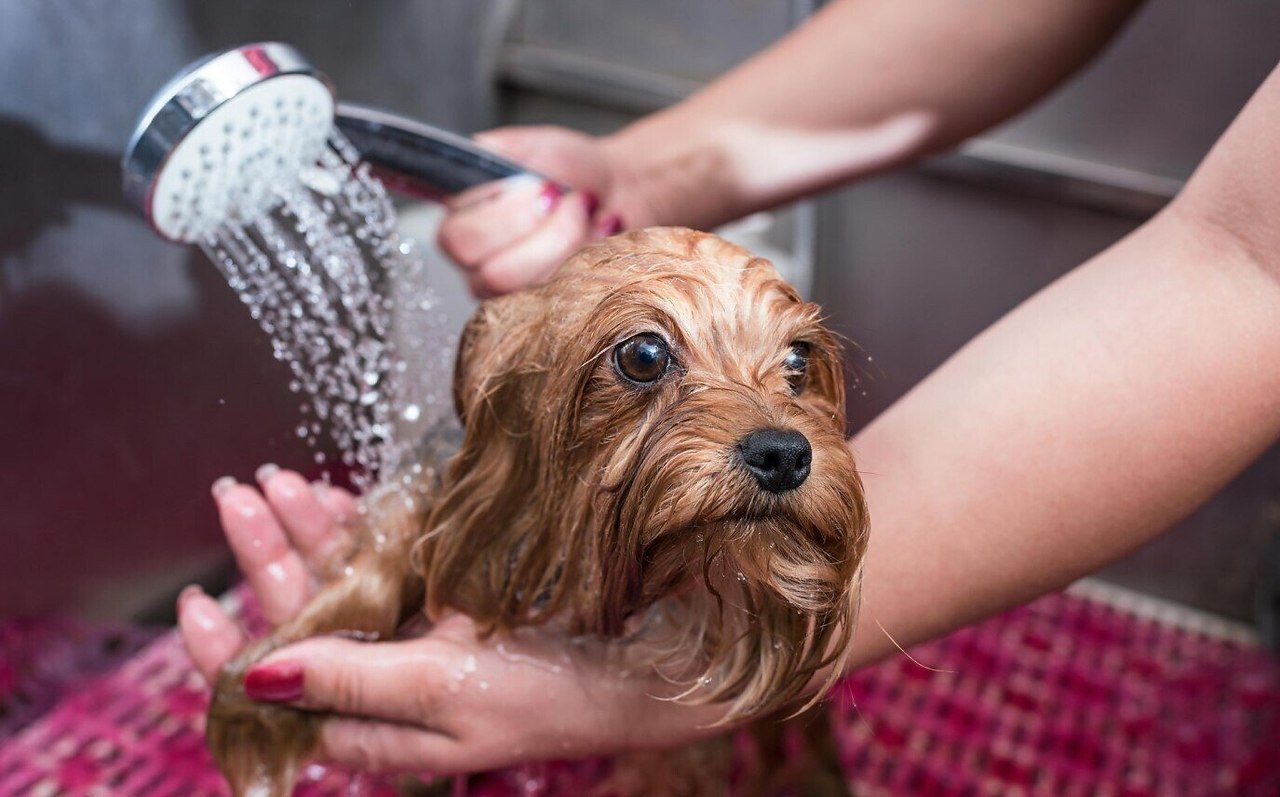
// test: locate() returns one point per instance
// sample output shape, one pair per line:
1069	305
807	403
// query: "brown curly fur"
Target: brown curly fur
623	512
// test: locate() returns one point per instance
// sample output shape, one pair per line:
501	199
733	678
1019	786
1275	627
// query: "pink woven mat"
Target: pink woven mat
42	659
1067	696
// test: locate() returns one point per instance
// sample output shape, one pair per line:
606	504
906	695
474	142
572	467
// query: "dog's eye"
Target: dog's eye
797	364
643	358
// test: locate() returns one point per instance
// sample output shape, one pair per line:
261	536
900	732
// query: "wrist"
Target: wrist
668	170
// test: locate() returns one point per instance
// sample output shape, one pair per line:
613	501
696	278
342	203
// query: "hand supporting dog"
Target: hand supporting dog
258	746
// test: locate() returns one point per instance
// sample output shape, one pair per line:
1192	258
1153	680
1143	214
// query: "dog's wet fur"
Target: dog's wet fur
653	451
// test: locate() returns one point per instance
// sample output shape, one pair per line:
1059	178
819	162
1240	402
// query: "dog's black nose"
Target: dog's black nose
778	458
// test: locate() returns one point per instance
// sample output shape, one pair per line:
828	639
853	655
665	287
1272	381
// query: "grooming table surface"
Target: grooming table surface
1067	696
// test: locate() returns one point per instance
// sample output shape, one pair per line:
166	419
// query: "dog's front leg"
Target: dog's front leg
259	746
794	755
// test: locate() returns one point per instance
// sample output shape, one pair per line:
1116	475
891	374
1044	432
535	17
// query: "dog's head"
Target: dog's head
654	446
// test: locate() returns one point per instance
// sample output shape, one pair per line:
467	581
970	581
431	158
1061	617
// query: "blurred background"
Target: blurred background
130	378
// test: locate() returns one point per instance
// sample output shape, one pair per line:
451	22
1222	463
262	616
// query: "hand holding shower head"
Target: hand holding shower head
217	140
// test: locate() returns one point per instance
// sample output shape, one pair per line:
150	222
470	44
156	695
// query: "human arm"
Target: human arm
861	87
1091	418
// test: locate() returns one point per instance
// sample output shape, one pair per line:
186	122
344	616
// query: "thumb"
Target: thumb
401	681
517	143
555	152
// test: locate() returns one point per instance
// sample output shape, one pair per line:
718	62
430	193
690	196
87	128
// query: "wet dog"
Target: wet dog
653	452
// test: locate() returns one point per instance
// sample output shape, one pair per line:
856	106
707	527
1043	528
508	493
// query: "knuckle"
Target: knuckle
368	746
424	701
363	747
495	280
449	239
346	690
481	285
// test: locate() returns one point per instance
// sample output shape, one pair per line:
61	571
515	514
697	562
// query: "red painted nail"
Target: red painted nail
277	682
610	224
549	197
590	202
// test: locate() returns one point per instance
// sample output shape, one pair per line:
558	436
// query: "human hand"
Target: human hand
443	702
287	539
513	233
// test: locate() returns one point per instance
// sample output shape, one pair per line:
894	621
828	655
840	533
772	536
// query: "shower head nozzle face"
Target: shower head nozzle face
219	140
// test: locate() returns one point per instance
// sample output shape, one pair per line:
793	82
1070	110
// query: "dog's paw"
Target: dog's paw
258	746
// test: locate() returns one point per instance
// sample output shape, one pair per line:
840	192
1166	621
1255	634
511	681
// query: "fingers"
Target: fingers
516	236
490	216
312	516
340	504
399	681
271	565
513	233
533	257
515	143
383	747
209	635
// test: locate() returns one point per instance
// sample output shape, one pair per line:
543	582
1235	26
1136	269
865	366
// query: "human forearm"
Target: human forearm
1089	419
862	87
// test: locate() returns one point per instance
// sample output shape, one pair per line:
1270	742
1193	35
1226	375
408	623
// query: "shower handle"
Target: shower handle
420	160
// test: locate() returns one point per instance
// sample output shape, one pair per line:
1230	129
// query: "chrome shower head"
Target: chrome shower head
217	138
217	141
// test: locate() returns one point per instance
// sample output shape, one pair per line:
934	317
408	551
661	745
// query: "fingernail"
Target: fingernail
277	682
221	486
549	197
610	225
188	592
266	471
590	202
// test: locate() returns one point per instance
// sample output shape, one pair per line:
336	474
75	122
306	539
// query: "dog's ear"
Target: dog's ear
469	343
489	346
492	548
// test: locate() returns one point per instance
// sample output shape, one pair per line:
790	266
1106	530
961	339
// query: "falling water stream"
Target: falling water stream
345	302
